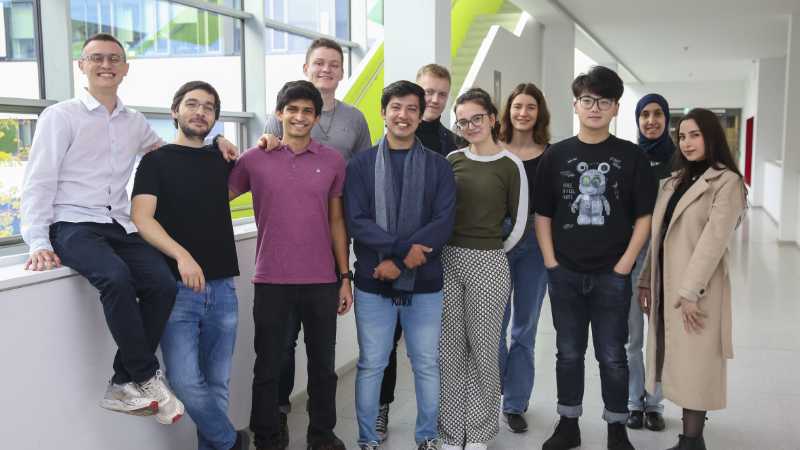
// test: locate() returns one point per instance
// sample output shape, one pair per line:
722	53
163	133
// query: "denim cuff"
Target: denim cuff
615	417
571	412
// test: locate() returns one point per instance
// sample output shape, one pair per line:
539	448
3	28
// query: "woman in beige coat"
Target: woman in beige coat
684	286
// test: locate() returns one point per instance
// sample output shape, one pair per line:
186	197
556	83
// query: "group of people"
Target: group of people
457	238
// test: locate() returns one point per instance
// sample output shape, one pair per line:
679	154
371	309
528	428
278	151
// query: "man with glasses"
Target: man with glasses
593	199
179	187
75	211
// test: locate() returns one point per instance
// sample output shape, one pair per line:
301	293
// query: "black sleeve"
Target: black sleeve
544	199
146	181
645	187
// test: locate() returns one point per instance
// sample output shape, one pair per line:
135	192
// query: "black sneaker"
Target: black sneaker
635	420
654	421
566	436
516	422
283	434
618	437
382	422
331	443
242	441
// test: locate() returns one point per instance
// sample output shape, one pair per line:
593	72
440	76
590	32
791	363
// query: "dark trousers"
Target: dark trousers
315	305
122	267
390	373
579	300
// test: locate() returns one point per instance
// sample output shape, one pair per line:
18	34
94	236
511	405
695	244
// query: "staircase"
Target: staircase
507	17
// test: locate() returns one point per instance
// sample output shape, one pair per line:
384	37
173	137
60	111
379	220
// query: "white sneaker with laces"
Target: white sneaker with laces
170	409
127	398
475	446
451	447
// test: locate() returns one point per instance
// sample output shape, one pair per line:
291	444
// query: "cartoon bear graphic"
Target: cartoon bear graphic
591	201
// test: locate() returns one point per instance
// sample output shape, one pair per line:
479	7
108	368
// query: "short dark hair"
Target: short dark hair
299	90
718	153
600	81
541	129
436	70
482	98
189	87
401	89
104	37
324	43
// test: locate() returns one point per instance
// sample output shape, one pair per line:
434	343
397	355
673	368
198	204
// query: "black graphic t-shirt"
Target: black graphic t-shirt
593	193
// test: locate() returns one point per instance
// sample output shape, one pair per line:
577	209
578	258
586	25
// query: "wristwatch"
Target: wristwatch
346	276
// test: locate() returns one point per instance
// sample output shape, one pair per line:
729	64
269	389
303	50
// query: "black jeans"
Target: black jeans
122	267
578	300
315	306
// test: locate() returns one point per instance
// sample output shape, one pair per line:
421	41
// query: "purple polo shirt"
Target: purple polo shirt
290	198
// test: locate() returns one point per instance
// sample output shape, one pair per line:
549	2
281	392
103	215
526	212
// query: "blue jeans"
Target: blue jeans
529	278
198	347
638	398
376	317
579	300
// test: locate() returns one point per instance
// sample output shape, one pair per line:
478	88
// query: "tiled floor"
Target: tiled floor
764	377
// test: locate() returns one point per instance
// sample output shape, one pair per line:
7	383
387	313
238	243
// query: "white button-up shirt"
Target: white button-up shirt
80	162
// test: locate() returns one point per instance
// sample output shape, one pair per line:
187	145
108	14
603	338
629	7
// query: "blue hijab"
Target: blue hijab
661	149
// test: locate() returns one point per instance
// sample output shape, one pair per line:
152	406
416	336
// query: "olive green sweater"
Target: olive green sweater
488	189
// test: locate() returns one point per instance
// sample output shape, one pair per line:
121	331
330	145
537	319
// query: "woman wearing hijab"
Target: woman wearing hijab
685	285
652	115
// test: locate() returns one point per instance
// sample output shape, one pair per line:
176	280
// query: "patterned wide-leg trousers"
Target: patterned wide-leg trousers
477	284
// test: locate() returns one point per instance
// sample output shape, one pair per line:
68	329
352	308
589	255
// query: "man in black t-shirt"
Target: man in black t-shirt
180	206
594	196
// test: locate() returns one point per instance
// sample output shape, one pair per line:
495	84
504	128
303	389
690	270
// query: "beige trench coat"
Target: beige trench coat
695	268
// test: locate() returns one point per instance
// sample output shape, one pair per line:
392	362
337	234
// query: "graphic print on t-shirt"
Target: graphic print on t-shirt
588	199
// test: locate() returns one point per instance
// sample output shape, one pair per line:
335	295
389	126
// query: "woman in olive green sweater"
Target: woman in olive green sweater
490	186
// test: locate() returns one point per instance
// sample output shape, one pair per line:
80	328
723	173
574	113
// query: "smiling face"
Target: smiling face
523	112
195	114
474	122
595	117
103	74
297	118
652	121
402	117
437	90
690	141
324	69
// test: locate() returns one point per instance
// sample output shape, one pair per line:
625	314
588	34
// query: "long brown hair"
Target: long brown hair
717	152
541	129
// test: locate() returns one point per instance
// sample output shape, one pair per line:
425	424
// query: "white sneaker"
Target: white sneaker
170	409
475	446
451	447
127	398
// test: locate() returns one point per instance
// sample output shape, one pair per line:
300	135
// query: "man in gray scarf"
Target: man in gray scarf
400	207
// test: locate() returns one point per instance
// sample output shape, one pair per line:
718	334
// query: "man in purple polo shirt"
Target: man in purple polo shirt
297	198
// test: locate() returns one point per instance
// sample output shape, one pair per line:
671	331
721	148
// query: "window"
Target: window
19	69
16	133
374	22
167	45
329	17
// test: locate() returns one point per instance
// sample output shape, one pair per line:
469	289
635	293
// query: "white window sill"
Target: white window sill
13	274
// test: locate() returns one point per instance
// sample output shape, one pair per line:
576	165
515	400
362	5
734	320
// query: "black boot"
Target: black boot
636	420
618	437
566	436
690	443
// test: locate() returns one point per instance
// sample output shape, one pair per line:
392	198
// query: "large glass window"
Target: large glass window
323	16
16	133
19	70
374	22
167	44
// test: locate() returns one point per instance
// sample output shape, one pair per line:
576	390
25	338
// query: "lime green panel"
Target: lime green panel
245	200
365	93
464	13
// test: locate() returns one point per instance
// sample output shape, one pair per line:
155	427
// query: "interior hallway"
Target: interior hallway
762	378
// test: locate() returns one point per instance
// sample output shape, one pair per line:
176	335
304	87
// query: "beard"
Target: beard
190	133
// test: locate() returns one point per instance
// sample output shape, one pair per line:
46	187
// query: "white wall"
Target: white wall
773	179
57	355
705	94
768	133
517	58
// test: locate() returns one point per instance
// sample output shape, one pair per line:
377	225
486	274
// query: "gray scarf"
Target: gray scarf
400	215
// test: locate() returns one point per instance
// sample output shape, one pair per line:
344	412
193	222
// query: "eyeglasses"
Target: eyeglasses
98	58
194	106
476	121
588	102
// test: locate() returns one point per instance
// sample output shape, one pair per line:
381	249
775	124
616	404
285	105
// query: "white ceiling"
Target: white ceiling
681	40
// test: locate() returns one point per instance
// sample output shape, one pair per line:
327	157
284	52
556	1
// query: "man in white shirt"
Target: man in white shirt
75	210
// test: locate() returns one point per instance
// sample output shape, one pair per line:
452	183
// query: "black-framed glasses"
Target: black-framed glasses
98	58
475	121
588	102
